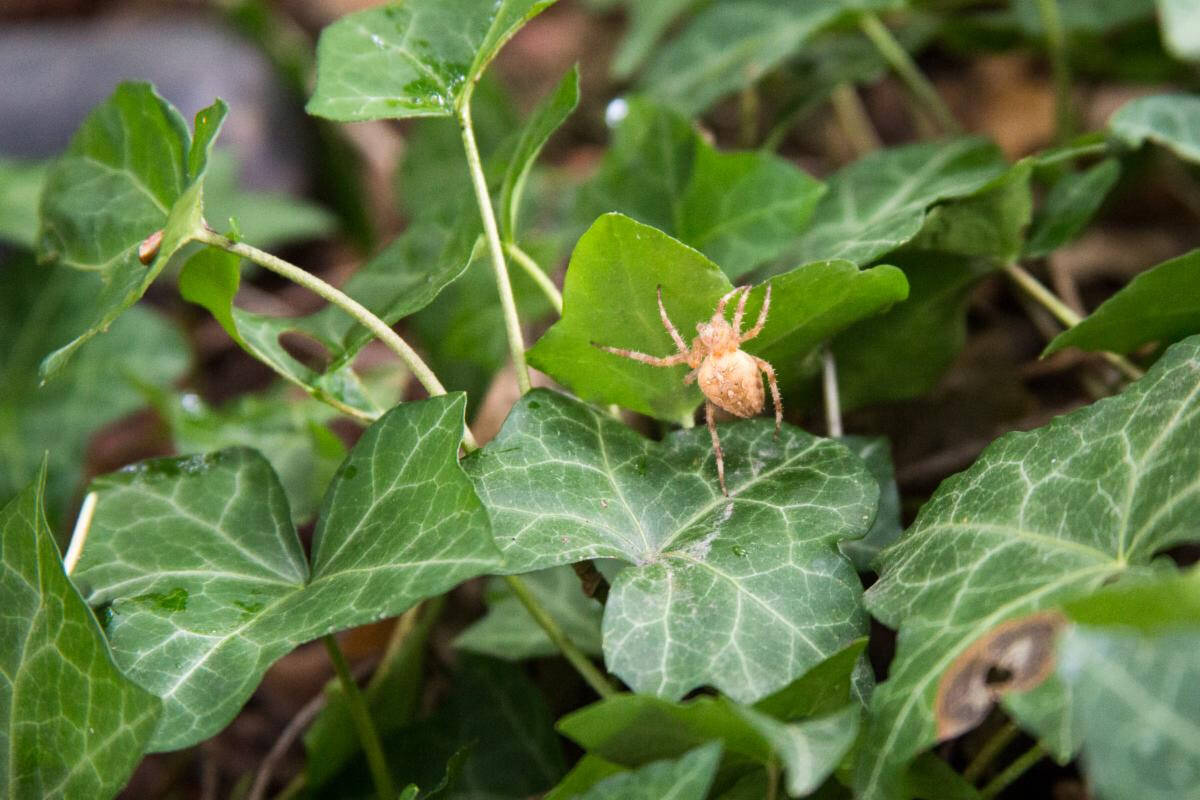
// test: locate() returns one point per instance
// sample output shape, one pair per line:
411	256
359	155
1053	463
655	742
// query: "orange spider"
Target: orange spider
727	375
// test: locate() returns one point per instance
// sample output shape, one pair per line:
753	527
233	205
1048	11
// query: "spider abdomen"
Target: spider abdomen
732	382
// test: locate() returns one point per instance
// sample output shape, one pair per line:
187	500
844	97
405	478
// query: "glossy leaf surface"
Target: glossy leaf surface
1169	120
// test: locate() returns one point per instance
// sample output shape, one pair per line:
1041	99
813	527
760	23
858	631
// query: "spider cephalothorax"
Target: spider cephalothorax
727	375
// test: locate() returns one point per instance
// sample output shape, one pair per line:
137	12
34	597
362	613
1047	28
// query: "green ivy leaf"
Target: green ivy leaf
200	605
688	778
1136	705
988	223
538	129
1159	305
106	380
411	59
587	772
1180	31
1150	605
1040	517
20	185
131	169
71	725
1169	120
740	209
610	298
507	631
876	453
742	593
809	750
880	201
730	45
1071	202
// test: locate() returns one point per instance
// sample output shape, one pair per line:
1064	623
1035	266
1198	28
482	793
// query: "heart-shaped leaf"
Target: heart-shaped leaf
418	58
1169	120
743	592
879	202
1041	516
131	169
199	605
741	209
687	778
609	297
1160	305
71	725
508	632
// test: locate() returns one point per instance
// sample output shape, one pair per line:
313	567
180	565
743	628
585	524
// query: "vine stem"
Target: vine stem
833	402
908	71
512	322
991	748
1056	44
1013	771
539	276
367	734
1064	314
855	121
583	665
364	316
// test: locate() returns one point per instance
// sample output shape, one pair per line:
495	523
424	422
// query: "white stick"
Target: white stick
83	524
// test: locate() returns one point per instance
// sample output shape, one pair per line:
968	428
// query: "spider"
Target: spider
727	375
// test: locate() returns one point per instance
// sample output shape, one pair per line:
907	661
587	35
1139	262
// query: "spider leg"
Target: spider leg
741	310
770	373
712	429
654	361
690	378
720	312
762	319
666	321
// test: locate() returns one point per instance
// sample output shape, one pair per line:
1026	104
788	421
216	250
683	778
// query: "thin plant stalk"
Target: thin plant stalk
1060	66
833	403
380	329
512	322
539	276
853	118
908	71
993	747
83	524
1013	771
367	734
583	665
1064	314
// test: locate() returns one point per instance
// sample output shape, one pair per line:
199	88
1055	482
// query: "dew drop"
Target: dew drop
616	112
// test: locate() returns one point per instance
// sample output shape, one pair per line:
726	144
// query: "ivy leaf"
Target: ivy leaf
688	778
20	185
1180	32
414	59
740	209
1069	205
731	45
809	750
610	298
1159	305
1134	701
198	606
507	631
105	381
987	223
131	169
1169	120
71	725
1040	517
541	125
876	453
879	202
742	593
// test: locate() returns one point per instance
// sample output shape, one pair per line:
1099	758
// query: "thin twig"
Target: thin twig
367	734
83	524
1056	44
539	276
833	403
908	71
854	120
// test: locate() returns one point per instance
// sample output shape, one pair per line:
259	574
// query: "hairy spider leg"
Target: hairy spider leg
770	373
741	310
712	429
690	378
720	312
758	325
654	361
666	321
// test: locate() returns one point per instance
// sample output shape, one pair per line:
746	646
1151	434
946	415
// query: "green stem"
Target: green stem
364	316
512	322
908	71
1013	771
991	748
535	271
583	665
748	110
833	403
362	721
1064	314
855	122
1056	43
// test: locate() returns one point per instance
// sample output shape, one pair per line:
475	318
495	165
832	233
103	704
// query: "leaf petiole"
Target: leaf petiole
367	734
908	71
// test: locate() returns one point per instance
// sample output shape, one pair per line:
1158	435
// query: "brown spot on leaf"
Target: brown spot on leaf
1014	656
148	249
